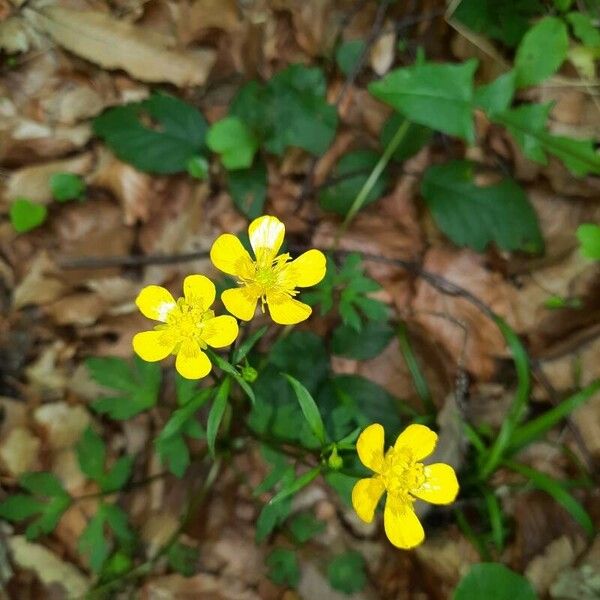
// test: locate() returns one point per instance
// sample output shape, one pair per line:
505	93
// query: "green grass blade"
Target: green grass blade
215	416
537	427
553	488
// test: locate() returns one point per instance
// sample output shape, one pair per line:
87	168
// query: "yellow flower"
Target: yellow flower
187	327
399	473
272	278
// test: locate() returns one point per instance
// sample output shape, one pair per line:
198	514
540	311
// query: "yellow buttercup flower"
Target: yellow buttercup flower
187	326
400	473
271	277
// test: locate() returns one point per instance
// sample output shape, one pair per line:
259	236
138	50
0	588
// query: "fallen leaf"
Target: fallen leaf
61	423
116	44
19	451
50	569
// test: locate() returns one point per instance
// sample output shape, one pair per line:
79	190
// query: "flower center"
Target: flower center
401	473
270	275
186	322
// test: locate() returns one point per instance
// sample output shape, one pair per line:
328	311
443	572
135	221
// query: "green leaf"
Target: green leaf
584	29
137	385
416	137
477	216
493	581
439	96
42	484
174	453
347	572
527	123
117	519
248	188
26	215
158	135
563	4
48	520
541	52
518	407
536	428
118	475
234	141
242	350
367	343
215	416
497	95
304	526
554	488
503	20
349	176
283	567
588	235
182	415
348	54
66	186
19	507
197	167
271	516
290	110
228	368
293	487
309	409
91	454
92	542
183	559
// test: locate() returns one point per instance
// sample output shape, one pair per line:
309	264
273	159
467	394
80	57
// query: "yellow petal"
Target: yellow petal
441	485
155	302
308	269
229	256
153	345
420	439
241	302
287	311
191	362
402	526
220	331
199	290
369	447
266	233
365	496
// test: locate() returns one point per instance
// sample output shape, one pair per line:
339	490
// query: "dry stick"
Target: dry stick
439	282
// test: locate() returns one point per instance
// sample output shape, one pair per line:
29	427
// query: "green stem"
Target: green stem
374	176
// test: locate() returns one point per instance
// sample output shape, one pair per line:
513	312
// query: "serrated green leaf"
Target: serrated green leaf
91	454
309	409
283	567
158	135
233	141
305	526
584	29
49	518
493	581
527	123
476	216
541	52
439	96
290	110
351	172
66	186
118	475
367	343
19	507
348	54
174	454
42	484
248	188
137	385
117	519
588	235
497	95
215	416
26	215
92	543
347	572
